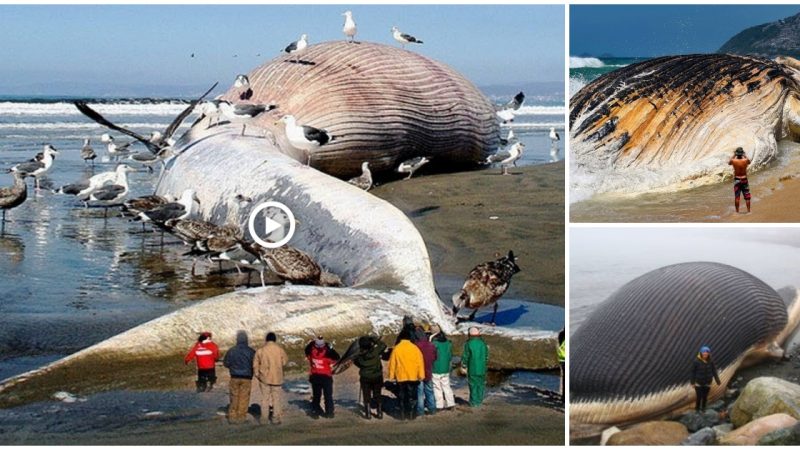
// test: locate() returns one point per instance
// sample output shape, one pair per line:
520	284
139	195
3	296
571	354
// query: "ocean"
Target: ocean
603	259
69	278
584	69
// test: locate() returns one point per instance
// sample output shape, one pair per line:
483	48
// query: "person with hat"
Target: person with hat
268	367
206	352
475	360
370	373
239	361
321	357
407	368
442	392
740	184
703	371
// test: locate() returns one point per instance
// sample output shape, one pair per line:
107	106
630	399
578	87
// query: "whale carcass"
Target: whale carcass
631	359
383	106
673	122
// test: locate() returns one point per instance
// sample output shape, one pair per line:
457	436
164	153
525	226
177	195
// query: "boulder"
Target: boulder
723	429
706	436
694	421
750	434
651	433
765	396
784	436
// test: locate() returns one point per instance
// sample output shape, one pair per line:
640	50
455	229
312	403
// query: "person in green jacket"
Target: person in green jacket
371	373
562	356
475	360
442	392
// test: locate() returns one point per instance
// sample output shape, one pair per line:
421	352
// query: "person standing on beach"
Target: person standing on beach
562	357
475	361
407	368
371	373
268	367
425	397
703	371
239	361
321	357
442	392
740	184
206	352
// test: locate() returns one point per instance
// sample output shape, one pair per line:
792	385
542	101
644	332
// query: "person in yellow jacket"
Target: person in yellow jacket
407	368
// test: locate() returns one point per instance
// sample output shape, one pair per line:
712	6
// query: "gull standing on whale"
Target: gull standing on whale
404	38
304	137
242	112
242	83
349	28
297	46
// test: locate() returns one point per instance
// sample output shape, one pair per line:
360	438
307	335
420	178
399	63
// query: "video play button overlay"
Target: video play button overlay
271	224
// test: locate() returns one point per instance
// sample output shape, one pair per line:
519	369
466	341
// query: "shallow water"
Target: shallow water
603	259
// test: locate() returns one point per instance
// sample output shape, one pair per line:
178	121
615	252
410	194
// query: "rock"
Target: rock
784	436
607	433
651	433
717	405
765	396
706	436
750	434
694	421
767	40
722	430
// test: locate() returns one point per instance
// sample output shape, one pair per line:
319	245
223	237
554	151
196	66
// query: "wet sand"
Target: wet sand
186	418
453	212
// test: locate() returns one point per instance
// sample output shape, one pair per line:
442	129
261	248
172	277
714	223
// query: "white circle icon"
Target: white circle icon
277	217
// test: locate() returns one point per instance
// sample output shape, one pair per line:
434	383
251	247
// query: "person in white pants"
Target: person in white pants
442	391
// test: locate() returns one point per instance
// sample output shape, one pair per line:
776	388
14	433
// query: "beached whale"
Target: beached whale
630	361
674	122
371	245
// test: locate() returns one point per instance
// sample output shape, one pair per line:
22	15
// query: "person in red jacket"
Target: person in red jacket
206	353
321	357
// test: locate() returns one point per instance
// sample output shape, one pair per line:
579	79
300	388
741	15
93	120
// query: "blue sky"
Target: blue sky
98	47
657	30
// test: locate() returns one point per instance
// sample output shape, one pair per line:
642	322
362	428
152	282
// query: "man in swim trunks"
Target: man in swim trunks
740	185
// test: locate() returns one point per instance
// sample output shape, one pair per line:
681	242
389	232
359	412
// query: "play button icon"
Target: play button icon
271	224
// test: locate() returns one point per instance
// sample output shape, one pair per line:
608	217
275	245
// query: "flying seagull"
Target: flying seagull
154	148
403	38
507	112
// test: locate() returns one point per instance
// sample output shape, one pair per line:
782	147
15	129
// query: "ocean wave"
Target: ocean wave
534	110
576	62
534	125
67	109
77	126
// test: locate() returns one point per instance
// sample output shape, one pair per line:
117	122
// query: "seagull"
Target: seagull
297	46
554	136
87	152
363	181
13	196
111	194
349	29
242	83
155	142
112	148
485	284
290	264
244	254
148	159
242	112
412	165
304	137
507	112
82	189
510	138
506	158
403	38
37	166
191	231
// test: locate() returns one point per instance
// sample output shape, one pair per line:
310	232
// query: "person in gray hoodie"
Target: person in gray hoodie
239	361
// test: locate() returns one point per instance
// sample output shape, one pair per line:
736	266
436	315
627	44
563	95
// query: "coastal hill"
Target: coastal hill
779	38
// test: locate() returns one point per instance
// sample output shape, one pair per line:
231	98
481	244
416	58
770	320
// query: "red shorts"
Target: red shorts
741	186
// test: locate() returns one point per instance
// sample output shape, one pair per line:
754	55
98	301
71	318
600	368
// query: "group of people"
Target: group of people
418	372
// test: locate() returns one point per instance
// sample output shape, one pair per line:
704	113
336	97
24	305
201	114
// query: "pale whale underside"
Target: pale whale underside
632	358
